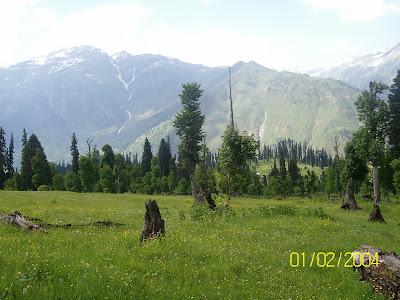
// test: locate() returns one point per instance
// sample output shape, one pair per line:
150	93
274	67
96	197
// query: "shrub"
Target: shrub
9	185
43	188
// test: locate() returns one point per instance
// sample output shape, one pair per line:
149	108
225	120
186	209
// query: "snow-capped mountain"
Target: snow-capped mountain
84	90
361	70
121	99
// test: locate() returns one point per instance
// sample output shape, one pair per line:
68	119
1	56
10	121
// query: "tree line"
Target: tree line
371	159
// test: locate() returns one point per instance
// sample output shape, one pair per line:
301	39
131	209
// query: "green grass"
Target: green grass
264	167
242	253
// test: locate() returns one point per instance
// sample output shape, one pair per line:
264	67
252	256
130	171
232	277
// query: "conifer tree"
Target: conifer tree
3	156
189	127
24	138
282	171
394	125
75	154
146	157
40	169
10	158
294	171
28	152
164	156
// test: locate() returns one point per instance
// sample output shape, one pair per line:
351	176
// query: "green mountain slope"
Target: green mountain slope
120	100
274	105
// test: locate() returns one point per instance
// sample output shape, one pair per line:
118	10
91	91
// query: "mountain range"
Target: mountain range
123	98
359	71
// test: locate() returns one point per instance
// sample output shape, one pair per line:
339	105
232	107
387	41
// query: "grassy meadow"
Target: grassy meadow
241	253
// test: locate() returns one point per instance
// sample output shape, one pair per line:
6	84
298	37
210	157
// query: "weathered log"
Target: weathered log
153	224
350	201
206	196
17	219
376	214
383	274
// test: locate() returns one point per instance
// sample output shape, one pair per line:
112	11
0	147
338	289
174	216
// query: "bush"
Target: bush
9	185
316	212
284	210
264	209
43	188
197	212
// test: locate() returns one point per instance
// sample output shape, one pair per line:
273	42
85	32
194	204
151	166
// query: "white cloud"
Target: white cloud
212	47
111	28
12	14
354	9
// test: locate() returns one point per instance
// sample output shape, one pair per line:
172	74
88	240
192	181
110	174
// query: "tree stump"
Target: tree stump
153	224
376	214
385	277
17	219
206	196
350	201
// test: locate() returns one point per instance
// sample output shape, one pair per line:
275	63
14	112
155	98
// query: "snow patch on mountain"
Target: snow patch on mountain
65	64
129	117
92	77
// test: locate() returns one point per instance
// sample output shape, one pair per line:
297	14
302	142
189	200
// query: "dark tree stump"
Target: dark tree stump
153	224
206	196
385	277
376	214
350	201
17	219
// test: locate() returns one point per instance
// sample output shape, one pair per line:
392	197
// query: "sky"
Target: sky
279	34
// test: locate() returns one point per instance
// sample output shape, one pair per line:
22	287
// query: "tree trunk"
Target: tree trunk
153	224
206	196
118	183
385	277
375	177
376	213
17	219
192	181
229	187
350	201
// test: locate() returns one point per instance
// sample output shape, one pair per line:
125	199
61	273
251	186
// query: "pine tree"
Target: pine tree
10	158
164	156
40	169
75	154
146	157
28	152
3	156
394	125
282	171
293	170
24	138
189	127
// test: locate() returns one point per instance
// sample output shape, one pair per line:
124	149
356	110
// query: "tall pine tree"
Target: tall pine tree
75	154
10	158
394	125
28	152
189	127
282	171
3	155
146	157
164	156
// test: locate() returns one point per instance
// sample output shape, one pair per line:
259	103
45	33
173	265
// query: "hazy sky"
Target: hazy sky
279	34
